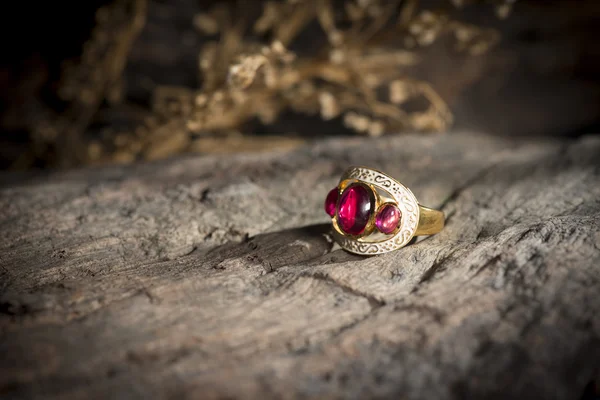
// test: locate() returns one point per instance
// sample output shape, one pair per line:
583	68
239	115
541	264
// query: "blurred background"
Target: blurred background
102	82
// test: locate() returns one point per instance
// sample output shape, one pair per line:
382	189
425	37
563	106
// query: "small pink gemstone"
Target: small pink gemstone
388	218
354	209
331	201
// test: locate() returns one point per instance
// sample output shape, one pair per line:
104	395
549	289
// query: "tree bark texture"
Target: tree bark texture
214	277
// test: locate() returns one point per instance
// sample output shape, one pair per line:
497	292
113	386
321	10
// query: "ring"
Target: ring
372	213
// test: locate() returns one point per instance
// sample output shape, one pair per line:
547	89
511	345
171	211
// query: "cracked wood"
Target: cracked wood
208	277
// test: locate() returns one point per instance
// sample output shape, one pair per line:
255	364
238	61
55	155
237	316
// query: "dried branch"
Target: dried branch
96	77
344	78
252	69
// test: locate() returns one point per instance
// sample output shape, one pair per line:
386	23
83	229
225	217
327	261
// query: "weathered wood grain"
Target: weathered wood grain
208	277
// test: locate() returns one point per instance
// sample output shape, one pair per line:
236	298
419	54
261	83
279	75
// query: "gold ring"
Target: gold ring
372	213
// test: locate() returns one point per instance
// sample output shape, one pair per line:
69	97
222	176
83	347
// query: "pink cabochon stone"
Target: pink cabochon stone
354	209
331	201
388	218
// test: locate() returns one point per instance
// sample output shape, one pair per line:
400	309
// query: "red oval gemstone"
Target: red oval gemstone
388	218
354	209
331	201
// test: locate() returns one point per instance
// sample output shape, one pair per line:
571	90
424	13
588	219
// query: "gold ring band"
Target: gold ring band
430	221
372	213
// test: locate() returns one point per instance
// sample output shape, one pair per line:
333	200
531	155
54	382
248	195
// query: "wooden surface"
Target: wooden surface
211	277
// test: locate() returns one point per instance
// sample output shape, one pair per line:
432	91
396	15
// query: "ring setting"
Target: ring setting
372	213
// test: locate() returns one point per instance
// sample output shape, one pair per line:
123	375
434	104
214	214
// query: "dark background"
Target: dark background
542	79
